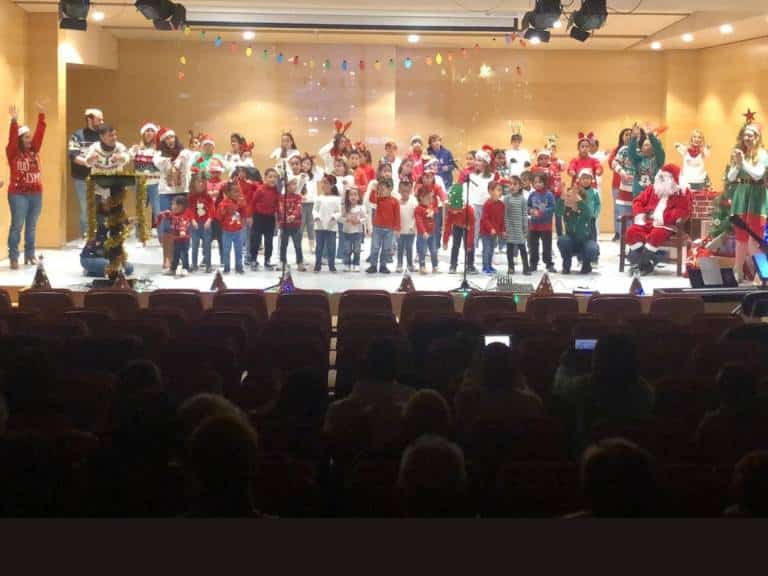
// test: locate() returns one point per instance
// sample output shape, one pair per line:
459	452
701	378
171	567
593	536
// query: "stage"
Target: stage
64	271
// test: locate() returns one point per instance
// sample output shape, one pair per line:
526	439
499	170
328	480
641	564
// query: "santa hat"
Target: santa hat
292	153
431	164
587	171
753	128
164	133
206	139
673	170
416	138
586	137
23	130
215	165
95	112
544	152
484	154
148	126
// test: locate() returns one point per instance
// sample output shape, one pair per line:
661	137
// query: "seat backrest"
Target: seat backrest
5	301
252	301
49	302
566	324
303	299
547	308
99	322
314	317
253	323
356	326
479	306
420	302
612	308
365	301
188	301
122	303
176	319
232	331
680	309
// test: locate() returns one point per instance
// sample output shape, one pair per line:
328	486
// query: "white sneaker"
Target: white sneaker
183	272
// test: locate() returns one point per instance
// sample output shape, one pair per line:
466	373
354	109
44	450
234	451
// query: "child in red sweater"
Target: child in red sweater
584	159
385	223
181	222
426	217
203	209
233	215
460	223
289	216
491	225
264	210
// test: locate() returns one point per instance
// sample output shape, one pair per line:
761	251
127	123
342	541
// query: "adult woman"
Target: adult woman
143	155
25	189
618	209
646	157
746	188
693	174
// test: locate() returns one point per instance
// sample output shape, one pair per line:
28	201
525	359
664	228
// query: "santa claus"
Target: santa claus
656	211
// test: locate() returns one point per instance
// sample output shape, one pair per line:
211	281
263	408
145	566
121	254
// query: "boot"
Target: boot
14	264
647	262
635	256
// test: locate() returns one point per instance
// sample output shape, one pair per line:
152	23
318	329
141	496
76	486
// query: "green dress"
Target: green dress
746	187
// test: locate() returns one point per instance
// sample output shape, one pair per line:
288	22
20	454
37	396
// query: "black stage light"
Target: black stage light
73	14
579	34
544	14
165	15
541	35
591	16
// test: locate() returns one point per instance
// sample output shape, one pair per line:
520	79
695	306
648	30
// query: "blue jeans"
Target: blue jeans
381	246
489	245
353	241
180	255
478	208
341	253
326	246
569	248
153	200
164	201
97	267
438	233
405	247
422	245
228	240
25	210
198	235
82	202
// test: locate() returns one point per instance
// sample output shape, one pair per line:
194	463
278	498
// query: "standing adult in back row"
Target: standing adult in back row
80	141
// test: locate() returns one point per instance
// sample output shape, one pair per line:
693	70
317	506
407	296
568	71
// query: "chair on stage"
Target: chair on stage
49	303
188	301
548	308
365	301
613	307
481	305
252	301
678	240
678	309
123	304
424	302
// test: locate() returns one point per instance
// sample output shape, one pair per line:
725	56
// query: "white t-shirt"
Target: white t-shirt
327	210
516	160
478	189
408	216
693	170
312	184
354	227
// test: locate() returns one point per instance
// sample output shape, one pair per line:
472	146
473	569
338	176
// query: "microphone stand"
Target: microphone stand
465	285
281	235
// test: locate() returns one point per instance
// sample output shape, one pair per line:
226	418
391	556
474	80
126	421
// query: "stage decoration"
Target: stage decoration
406	284
187	30
636	288
279	58
392	63
202	34
183	60
344	65
249	51
218	282
232	47
407	63
464	52
750	116
265	54
428	60
295	61
485	71
721	212
377	65
545	286
450	56
217	42
40	281
327	64
286	285
181	76
121	282
439	59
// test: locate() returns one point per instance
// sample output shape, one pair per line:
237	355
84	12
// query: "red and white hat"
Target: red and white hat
587	171
544	152
215	165
23	130
164	133
148	126
206	139
673	170
483	156
95	112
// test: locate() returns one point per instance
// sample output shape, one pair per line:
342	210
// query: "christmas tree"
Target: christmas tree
40	281
218	282
636	288
286	283
545	286
406	284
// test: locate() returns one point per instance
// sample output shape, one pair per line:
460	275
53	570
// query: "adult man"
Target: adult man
79	142
656	211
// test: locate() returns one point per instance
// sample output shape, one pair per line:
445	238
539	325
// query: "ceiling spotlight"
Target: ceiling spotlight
544	14
591	16
165	15
413	38
537	36
687	37
656	45
73	14
726	29
97	16
249	35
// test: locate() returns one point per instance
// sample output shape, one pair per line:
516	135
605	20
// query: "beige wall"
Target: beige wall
13	50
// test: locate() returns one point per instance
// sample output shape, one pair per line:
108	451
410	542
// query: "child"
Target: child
426	222
289	215
213	186
180	221
353	218
248	178
264	209
460	223
541	207
591	197
327	214
516	225
313	175
518	158
385	224
359	173
233	214
203	211
500	165
478	185
390	155
526	180
344	180
407	226
491	225
429	183
584	159
546	165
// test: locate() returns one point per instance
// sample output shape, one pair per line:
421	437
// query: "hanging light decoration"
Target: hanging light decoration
439	59
407	63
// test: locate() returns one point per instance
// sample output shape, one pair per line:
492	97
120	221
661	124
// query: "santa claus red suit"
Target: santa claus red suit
656	211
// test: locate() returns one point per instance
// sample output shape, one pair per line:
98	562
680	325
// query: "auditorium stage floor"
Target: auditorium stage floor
64	271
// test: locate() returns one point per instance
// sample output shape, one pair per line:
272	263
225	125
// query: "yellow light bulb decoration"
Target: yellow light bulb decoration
249	51
183	60
439	59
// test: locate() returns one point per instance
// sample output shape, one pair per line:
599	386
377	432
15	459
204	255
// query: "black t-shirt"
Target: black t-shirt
79	142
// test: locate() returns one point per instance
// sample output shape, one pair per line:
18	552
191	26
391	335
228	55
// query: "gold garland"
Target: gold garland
113	245
90	194
141	209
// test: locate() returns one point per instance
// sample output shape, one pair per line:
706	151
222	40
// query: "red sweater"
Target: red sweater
202	207
492	220
232	214
293	218
459	218
579	163
180	224
387	212
264	200
361	178
425	219
437	191
25	166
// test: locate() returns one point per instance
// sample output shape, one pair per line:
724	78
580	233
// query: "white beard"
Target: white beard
665	190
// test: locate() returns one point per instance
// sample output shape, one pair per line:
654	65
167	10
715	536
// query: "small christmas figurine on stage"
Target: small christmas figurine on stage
545	286
40	281
406	284
218	282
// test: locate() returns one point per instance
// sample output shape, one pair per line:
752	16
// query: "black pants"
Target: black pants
263	227
180	254
546	243
512	250
293	234
459	235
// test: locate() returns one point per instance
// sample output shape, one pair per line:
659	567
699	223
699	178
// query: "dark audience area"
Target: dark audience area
177	410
